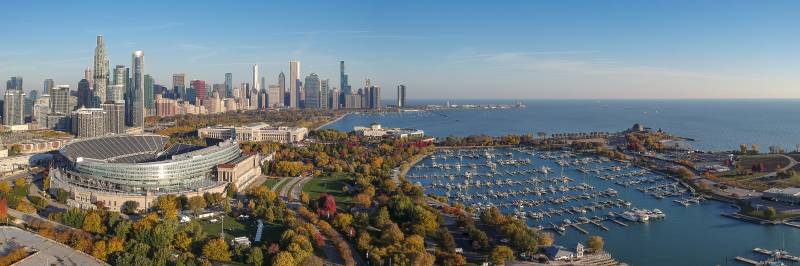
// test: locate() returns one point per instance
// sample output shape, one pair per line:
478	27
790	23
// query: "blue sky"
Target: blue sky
439	49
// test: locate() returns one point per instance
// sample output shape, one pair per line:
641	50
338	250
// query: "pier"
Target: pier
580	229
619	223
748	261
599	225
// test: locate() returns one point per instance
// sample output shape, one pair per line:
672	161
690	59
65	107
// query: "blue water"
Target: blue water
714	124
695	235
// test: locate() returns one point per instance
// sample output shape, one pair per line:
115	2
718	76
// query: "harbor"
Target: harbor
569	194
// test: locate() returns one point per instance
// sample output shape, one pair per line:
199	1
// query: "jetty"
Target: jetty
580	229
619	223
778	254
748	261
599	225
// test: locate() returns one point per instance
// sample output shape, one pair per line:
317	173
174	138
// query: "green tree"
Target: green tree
256	257
130	207
197	204
500	255
217	249
770	213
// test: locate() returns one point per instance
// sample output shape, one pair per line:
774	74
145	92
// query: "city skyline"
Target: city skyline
625	49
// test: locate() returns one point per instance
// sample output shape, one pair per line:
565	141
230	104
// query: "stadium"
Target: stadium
115	169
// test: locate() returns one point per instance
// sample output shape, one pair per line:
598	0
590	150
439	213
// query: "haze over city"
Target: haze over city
517	49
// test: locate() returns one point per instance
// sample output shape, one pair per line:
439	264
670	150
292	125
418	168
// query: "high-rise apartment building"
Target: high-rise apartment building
48	84
115	117
100	72
335	98
200	90
59	100
256	81
274	96
136	91
312	88
401	96
85	97
88	122
294	79
14	107
323	93
179	86
148	95
14	83
228	85
282	89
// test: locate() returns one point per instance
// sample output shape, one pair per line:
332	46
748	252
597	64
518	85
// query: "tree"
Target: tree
93	223
130	207
99	250
232	190
5	187
168	205
304	198
770	213
342	221
446	241
545	239
3	209
19	182
256	257
283	258
217	249
392	234
500	255
62	196
197	204
182	242
327	205
595	243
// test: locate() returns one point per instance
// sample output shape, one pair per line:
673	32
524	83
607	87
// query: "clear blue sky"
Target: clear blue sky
439	49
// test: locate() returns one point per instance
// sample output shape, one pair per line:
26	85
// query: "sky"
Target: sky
439	49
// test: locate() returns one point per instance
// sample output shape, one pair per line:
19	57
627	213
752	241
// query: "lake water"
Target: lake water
714	124
695	235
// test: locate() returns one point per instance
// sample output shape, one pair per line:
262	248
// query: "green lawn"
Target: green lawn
271	182
235	228
332	185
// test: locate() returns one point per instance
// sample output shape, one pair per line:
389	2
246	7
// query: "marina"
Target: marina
551	190
696	234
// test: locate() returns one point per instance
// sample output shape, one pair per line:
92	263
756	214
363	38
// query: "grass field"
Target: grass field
771	161
332	185
744	177
236	228
271	182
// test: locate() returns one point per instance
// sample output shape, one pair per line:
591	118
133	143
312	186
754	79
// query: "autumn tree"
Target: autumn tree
595	243
217	249
256	257
500	255
93	223
327	205
283	259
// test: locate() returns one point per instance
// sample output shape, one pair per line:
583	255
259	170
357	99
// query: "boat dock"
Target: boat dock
748	261
618	222
780	254
580	229
599	225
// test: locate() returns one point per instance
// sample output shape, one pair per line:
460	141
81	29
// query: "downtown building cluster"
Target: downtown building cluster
117	100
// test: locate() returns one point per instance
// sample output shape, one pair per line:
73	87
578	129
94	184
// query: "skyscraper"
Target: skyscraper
14	83
228	85
199	87
313	88
59	100
149	108
294	78
401	96
115	117
88	122
14	107
256	81
85	97
120	75
323	94
343	82
100	72
116	93
48	84
282	89
136	91
179	85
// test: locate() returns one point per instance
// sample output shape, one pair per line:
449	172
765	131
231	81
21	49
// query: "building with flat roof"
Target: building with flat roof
787	195
242	171
376	130
255	132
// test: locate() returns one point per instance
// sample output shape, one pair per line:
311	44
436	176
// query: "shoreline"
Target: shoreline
332	121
